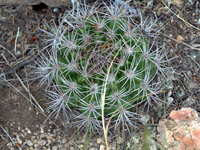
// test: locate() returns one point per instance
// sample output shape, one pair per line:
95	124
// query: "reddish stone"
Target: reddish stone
183	133
190	141
178	135
184	114
175	115
196	133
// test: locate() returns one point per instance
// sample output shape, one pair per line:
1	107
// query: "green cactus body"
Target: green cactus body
103	40
99	46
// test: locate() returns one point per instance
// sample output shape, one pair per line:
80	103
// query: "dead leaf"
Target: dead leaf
32	40
179	38
12	41
96	27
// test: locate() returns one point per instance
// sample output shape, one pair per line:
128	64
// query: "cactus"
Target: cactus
91	46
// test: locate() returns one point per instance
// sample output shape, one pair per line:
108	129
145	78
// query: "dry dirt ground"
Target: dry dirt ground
18	115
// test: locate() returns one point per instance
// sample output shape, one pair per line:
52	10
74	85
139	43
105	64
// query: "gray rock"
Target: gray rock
42	135
29	143
193	85
54	148
41	142
59	146
64	141
35	145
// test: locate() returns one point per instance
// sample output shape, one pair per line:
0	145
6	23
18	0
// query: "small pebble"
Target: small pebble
35	145
71	148
35	133
42	135
189	73
42	131
193	85
59	141
54	148
29	143
29	131
169	101
194	54
63	141
102	147
48	140
59	146
41	142
19	140
19	148
9	144
98	141
128	145
198	23
144	119
55	10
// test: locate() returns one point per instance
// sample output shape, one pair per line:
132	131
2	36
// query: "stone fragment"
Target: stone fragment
144	118
71	148
193	85
102	147
182	132
9	144
41	142
19	140
29	131
99	141
54	148
184	114
35	145
29	143
178	3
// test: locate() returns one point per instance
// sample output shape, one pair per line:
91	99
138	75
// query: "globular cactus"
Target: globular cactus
95	49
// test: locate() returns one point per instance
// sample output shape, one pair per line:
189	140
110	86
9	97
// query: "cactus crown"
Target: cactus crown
89	46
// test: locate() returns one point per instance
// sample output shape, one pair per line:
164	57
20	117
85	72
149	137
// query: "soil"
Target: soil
50	3
18	113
